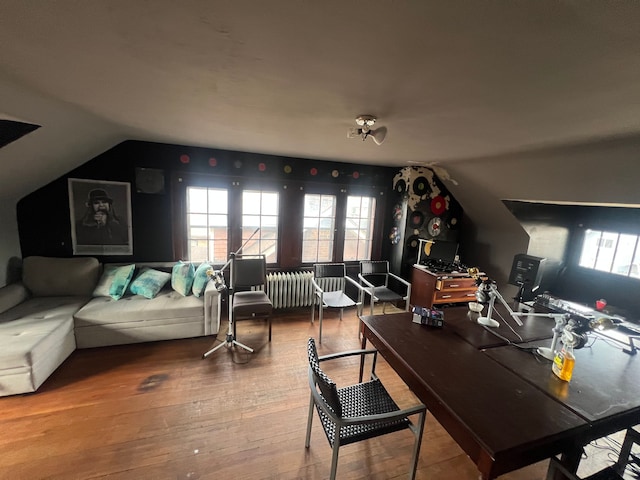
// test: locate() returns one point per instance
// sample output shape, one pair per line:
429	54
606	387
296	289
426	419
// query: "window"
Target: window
260	224
358	232
611	252
207	222
319	227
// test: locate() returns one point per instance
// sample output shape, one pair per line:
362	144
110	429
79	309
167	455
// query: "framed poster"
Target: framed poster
100	217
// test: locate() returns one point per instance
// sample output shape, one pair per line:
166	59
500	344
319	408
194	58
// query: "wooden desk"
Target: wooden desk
501	419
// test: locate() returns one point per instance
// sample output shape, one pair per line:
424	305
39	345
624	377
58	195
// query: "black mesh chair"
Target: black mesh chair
247	297
329	282
357	412
375	280
613	472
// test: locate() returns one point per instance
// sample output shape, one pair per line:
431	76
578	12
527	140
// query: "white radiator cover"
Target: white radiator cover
294	289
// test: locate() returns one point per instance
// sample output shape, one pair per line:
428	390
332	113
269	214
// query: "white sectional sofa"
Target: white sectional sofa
51	312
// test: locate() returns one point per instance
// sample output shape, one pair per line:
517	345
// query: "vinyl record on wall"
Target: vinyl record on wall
438	205
401	186
413	242
416	219
420	186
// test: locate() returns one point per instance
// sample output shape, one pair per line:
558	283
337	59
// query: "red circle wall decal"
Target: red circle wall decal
313	171
184	158
213	162
262	167
356	174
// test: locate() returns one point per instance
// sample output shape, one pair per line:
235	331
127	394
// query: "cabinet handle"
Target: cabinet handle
453	285
446	296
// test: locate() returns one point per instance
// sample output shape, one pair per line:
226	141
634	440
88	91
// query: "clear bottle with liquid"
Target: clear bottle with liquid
564	361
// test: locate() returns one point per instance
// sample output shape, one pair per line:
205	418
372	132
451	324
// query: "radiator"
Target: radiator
294	289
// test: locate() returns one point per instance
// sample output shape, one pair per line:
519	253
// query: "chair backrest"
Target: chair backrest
248	271
330	276
327	386
375	271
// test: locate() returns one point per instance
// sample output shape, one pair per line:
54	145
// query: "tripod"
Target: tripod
230	339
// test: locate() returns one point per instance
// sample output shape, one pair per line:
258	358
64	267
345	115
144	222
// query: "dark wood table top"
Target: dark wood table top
464	323
502	421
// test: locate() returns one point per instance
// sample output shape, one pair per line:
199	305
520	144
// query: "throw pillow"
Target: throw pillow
201	279
149	282
120	278
182	275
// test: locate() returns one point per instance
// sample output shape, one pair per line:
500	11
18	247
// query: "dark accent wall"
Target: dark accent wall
44	218
563	277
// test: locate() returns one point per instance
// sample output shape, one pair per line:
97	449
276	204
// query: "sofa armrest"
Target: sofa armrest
12	295
212	308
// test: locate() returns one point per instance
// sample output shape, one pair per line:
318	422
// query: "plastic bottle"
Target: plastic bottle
564	361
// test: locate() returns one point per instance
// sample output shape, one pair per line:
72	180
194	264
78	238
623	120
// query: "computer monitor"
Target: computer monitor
437	250
526	273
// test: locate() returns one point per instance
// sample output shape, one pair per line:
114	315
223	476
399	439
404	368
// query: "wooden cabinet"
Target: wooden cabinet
429	288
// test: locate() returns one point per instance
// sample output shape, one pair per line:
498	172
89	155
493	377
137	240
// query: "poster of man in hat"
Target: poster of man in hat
100	217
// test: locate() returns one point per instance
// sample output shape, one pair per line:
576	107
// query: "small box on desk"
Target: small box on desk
428	316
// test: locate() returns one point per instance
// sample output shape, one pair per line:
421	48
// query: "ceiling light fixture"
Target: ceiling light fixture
365	122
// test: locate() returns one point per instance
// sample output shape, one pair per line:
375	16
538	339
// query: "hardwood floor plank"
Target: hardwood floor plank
160	411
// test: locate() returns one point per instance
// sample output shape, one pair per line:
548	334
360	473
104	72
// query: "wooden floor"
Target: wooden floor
160	411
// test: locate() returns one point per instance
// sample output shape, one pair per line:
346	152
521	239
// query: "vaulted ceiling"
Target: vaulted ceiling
451	80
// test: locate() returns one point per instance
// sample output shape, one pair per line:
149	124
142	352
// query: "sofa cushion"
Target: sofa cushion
114	281
182	275
168	304
12	295
149	282
201	279
42	308
52	277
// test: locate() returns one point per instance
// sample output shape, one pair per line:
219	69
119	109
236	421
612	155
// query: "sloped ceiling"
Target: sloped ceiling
452	81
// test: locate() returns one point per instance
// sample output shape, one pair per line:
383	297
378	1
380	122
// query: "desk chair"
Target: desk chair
614	472
357	412
247	298
329	283
374	277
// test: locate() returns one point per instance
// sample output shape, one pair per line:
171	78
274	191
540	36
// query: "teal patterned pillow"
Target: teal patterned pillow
120	278
201	279
182	275
149	282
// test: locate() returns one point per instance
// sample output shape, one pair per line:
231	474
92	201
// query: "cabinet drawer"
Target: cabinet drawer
454	296
449	283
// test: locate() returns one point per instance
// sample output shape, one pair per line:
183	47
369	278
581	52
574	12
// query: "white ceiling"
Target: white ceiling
451	80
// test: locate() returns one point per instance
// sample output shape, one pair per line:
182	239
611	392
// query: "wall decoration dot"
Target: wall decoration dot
335	173
213	162
237	164
356	174
184	158
262	167
288	169
313	171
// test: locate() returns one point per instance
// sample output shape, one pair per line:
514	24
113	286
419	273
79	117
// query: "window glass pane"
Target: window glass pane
622	263
606	249
318	224
207	221
590	248
359	228
260	223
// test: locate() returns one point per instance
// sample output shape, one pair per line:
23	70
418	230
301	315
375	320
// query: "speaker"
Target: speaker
149	180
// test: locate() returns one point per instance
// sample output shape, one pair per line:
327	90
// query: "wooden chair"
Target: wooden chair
613	472
374	277
329	282
357	412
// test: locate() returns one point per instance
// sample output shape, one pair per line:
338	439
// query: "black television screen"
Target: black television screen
437	250
526	273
